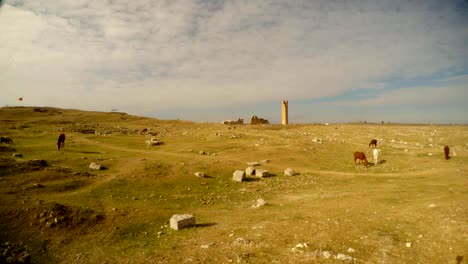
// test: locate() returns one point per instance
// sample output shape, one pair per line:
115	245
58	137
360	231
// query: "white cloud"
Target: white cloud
167	54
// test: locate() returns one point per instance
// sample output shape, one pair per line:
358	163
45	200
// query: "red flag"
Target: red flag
20	99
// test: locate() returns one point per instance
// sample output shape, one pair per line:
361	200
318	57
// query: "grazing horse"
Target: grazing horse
61	141
376	153
360	156
373	142
446	152
6	140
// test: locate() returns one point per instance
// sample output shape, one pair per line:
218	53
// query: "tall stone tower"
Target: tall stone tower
285	112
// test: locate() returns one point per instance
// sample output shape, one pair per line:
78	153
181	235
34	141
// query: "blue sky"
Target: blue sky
334	61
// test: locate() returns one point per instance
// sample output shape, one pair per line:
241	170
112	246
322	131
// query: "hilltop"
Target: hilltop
410	208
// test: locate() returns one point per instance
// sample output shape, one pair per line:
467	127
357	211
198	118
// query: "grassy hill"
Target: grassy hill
410	208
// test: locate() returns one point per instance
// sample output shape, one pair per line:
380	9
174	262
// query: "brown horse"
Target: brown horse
61	141
446	152
360	156
373	143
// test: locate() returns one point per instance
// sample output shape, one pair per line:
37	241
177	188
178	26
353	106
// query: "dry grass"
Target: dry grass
332	205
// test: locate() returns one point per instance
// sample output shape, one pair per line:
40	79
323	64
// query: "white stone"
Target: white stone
250	171
289	172
340	256
179	221
260	203
350	250
253	163
326	254
261	173
317	140
200	174
207	245
96	166
432	205
153	142
408	245
238	176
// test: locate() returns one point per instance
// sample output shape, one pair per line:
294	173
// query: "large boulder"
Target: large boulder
250	171
289	172
238	176
179	221
261	173
153	142
200	174
96	166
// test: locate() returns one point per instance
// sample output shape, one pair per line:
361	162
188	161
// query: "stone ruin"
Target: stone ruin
240	121
284	111
254	120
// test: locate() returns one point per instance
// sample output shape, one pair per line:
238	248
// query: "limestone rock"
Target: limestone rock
153	142
238	176
261	173
96	166
260	203
200	174
343	257
289	172
179	221
317	140
250	171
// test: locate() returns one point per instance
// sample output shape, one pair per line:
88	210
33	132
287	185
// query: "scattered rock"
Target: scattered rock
300	247
430	154
202	152
153	142
253	163
96	166
350	250
326	254
408	244
179	221
289	172
207	246
317	140
200	174
260	203
261	173
238	176
265	161
340	256
17	155
250	171
432	205
241	242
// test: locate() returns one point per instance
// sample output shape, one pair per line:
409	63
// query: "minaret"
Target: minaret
285	112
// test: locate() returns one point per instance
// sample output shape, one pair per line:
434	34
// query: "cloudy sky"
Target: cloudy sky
334	61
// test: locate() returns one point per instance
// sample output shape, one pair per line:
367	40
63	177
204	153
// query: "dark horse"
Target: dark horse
373	142
61	141
446	152
6	140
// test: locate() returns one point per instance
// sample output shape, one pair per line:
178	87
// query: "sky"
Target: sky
208	61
